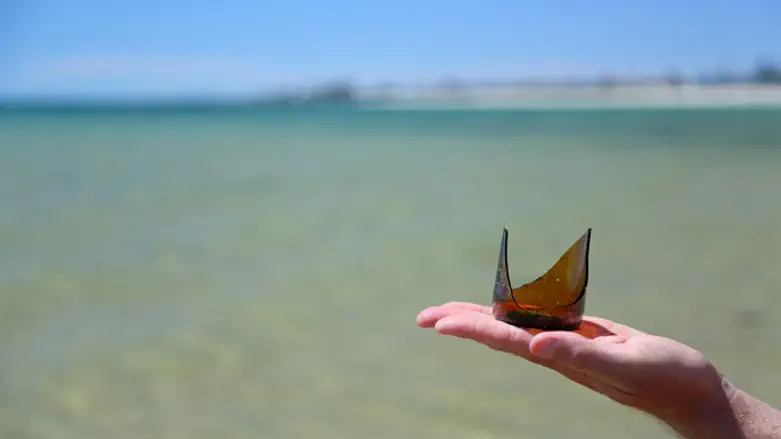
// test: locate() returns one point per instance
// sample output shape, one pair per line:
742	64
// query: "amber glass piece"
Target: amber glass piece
554	301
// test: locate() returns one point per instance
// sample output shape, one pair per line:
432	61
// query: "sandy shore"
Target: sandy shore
743	95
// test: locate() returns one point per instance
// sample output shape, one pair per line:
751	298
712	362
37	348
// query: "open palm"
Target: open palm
654	374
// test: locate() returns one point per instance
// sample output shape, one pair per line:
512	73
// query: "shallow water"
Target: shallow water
258	274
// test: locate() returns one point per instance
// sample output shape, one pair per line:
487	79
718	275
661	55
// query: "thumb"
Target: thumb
578	352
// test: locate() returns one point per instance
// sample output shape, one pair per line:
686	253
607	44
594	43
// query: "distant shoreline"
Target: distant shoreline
592	97
522	97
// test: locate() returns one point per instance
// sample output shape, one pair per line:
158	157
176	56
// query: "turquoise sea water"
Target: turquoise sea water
257	274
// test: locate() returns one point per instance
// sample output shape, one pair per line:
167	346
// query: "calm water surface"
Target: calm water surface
248	275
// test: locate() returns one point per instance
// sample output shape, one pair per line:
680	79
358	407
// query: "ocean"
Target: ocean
256	274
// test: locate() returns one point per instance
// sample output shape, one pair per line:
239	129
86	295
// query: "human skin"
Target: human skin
656	375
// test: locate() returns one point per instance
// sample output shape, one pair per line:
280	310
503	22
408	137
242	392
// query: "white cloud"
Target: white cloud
133	74
137	73
147	66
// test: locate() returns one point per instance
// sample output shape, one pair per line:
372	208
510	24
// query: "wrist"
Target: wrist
714	417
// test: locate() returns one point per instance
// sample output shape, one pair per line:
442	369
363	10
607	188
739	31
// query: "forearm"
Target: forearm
738	416
757	419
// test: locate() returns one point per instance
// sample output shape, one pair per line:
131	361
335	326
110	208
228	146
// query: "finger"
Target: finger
598	358
490	332
506	338
431	315
612	326
467	306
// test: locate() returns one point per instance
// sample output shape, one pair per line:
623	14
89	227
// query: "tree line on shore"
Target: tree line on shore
764	73
345	92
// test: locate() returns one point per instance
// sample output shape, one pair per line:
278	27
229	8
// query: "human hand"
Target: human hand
657	375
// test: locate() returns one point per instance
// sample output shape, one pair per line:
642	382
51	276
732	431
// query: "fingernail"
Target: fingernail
423	316
546	348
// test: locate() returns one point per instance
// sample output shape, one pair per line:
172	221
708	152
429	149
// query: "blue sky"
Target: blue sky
232	47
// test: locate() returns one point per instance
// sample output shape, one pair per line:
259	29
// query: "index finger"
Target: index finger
431	315
486	330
